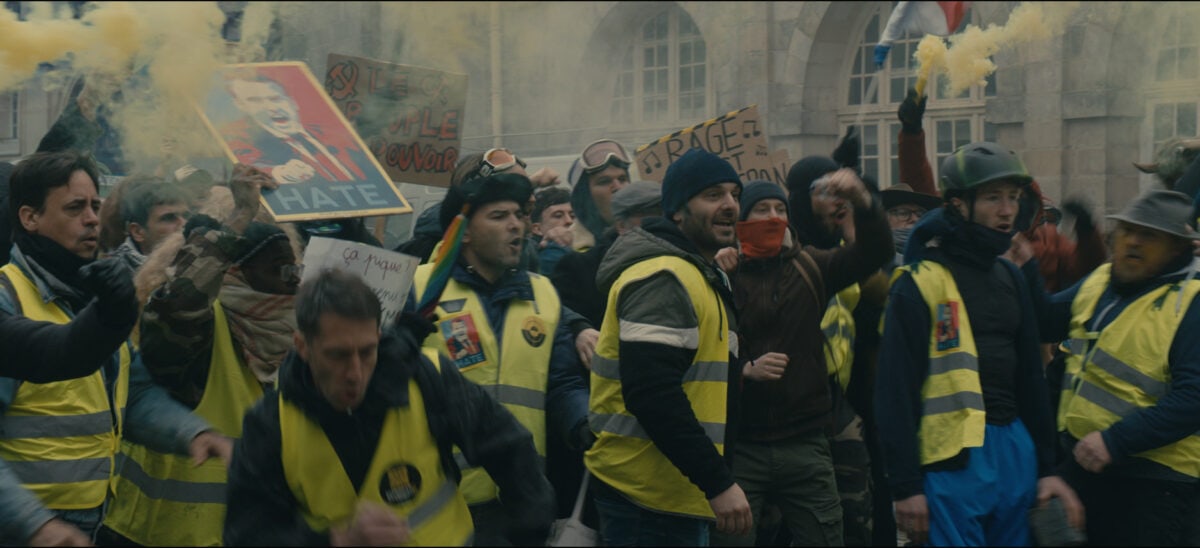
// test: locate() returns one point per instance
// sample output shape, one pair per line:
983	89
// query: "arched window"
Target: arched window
663	75
1172	109
949	121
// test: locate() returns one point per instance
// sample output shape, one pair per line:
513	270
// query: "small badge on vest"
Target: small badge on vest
400	483
947	325
534	330
462	341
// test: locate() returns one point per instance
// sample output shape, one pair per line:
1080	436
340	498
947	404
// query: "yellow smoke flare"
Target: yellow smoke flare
967	61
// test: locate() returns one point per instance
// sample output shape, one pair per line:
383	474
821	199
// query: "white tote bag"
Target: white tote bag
572	531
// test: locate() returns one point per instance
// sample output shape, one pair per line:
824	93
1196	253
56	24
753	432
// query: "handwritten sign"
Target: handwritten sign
410	117
738	137
389	273
276	117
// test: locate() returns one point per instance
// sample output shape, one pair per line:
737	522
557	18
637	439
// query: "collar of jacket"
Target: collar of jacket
49	287
513	284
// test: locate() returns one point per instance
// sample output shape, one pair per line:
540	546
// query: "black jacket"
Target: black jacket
262	509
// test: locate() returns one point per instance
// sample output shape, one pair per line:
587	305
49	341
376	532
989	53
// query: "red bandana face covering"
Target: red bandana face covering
761	239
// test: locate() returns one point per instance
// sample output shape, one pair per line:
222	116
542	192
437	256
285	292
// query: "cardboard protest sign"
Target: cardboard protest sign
389	273
276	117
410	117
737	136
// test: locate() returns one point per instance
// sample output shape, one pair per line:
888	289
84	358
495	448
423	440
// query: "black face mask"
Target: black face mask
974	243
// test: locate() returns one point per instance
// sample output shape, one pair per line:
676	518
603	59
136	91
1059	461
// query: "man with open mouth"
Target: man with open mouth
1130	403
960	396
501	327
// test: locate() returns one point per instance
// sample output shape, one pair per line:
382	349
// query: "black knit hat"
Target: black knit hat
758	191
481	191
693	172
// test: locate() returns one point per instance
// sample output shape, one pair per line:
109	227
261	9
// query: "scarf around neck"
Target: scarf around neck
56	266
262	323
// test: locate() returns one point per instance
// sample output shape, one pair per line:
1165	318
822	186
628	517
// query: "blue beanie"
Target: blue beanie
693	172
758	191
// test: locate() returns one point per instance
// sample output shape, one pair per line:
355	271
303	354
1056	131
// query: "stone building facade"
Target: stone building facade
546	78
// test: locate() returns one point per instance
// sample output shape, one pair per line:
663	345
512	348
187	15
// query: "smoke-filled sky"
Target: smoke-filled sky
176	46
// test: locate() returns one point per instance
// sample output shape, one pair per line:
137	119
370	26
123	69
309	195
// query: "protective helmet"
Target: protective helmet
975	164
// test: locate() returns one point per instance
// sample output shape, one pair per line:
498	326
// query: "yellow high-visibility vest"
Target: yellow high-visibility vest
162	499
1126	368
515	368
60	438
953	415
838	327
623	455
405	474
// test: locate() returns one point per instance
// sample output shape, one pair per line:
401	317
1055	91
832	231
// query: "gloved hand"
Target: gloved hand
419	327
846	153
200	222
911	112
110	280
582	437
1081	210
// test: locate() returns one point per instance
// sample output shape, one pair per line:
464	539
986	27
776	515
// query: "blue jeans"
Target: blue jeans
623	523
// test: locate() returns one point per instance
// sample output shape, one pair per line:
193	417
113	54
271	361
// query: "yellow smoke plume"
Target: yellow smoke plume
967	61
175	47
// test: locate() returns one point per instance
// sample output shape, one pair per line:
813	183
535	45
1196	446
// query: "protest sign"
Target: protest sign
276	117
388	273
738	137
410	117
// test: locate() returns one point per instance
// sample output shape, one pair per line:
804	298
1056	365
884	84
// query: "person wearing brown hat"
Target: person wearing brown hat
1130	406
503	327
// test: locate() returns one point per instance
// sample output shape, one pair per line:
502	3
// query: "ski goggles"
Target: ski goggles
496	160
600	154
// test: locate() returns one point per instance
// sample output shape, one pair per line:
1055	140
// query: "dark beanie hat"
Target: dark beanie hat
807	170
693	172
758	191
481	191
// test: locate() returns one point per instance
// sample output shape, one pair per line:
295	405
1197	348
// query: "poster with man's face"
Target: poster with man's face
276	117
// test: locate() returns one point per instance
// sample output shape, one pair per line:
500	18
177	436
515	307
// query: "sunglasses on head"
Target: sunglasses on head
497	160
601	153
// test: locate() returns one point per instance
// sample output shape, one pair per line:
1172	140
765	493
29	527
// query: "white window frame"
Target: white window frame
1166	92
632	67
882	114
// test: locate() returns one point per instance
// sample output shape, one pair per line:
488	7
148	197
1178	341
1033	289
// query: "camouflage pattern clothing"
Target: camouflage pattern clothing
852	468
177	322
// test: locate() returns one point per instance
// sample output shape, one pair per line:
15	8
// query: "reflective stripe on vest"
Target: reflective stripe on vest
953	416
162	499
623	456
838	327
405	474
1126	368
518	377
60	437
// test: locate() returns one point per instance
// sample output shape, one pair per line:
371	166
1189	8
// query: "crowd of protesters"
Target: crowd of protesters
699	361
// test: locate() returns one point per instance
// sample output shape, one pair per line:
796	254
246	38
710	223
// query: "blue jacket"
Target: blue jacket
904	366
152	419
1177	414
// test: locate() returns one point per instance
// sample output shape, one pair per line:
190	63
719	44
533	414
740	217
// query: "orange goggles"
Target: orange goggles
497	160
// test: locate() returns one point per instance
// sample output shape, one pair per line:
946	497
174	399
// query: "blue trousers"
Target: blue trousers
623	523
986	503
